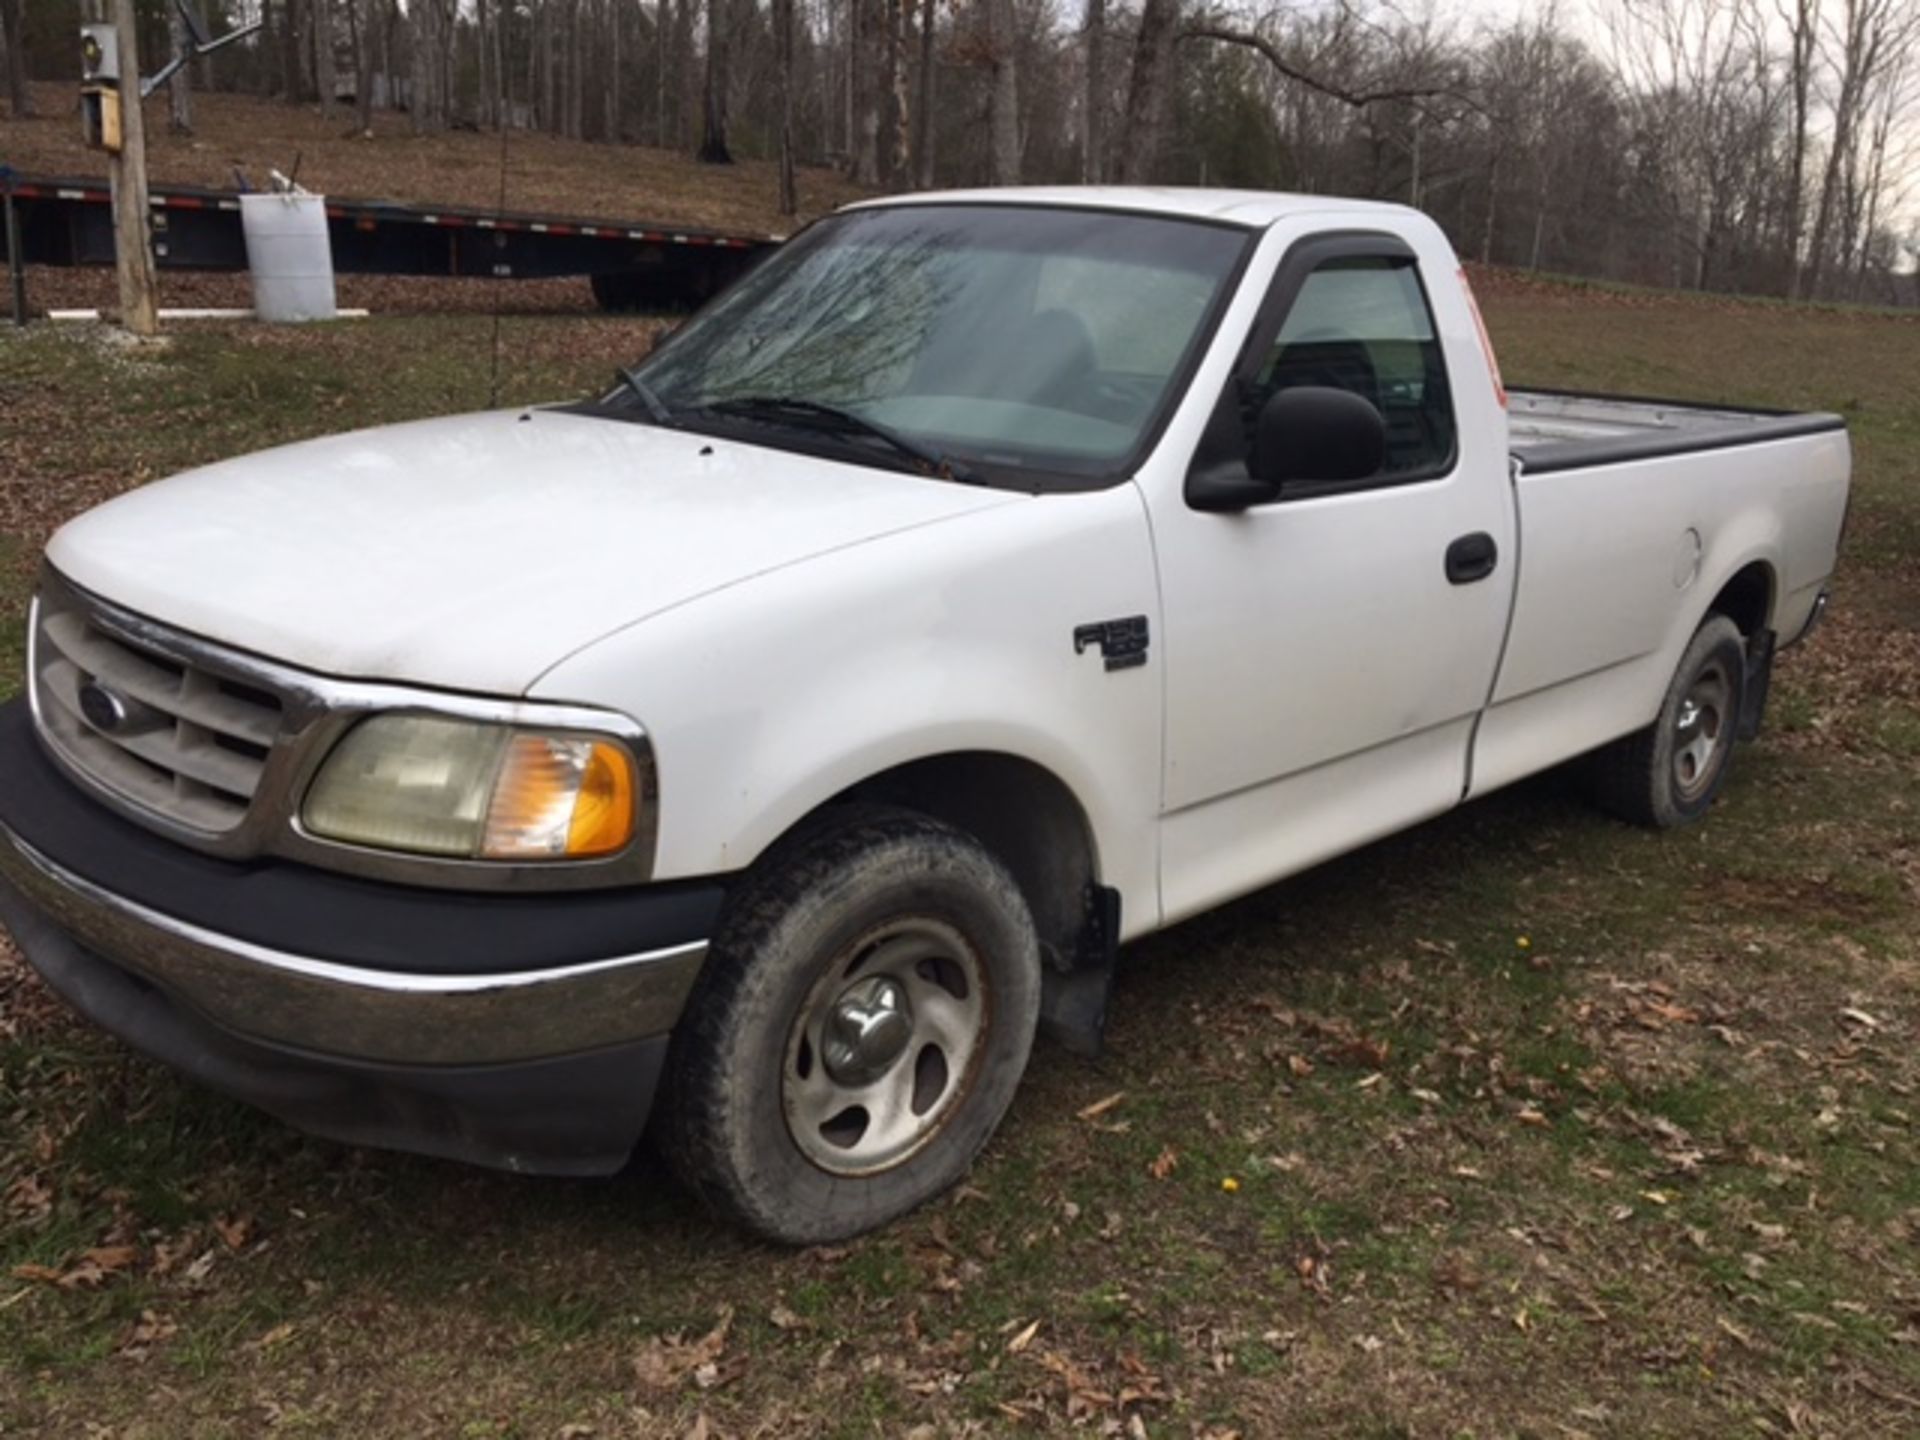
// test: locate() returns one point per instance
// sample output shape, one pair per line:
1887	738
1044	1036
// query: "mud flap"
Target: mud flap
1759	679
1073	1002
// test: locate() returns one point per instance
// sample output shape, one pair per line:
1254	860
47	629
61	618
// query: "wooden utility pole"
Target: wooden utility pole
127	171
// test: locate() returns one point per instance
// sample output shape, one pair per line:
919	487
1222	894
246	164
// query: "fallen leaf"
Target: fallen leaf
1025	1338
1101	1107
278	1335
666	1360
1164	1164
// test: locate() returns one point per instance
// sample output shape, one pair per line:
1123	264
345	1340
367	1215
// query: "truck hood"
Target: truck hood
477	551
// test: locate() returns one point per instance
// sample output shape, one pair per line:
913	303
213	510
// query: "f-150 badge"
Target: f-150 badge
1123	642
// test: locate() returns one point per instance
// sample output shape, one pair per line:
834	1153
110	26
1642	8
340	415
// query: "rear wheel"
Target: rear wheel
1669	773
858	1030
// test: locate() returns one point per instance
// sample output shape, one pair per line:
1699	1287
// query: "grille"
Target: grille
137	716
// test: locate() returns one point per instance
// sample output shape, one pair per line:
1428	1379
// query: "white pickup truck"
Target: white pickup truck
985	581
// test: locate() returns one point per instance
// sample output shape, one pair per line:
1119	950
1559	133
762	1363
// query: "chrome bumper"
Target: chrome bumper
321	1006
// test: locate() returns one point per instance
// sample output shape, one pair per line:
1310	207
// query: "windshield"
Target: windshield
1042	342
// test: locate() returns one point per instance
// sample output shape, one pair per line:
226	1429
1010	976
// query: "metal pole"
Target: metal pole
16	266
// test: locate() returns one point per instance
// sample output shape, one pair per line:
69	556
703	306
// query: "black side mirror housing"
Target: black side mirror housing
1309	434
1317	435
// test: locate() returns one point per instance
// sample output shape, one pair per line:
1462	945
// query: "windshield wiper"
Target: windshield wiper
656	407
816	415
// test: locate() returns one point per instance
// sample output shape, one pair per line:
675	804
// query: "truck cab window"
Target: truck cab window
1362	324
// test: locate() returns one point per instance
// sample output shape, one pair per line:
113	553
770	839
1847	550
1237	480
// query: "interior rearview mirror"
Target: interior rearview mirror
1316	433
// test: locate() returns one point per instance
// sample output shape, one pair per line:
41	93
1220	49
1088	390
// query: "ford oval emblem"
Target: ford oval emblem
105	710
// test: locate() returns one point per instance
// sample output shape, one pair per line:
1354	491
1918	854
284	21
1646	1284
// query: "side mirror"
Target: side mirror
1316	433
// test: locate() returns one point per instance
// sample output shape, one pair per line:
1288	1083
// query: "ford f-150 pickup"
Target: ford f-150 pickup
768	746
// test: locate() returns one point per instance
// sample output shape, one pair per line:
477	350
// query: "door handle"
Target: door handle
1472	557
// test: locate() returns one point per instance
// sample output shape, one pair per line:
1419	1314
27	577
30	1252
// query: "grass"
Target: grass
1537	1125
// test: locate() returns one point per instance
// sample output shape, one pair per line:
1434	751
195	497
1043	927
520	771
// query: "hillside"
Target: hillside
624	182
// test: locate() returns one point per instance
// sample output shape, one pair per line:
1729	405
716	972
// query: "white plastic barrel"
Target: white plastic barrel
289	255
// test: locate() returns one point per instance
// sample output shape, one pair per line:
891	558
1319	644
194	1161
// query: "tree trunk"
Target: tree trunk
1799	81
291	87
358	26
263	71
1093	157
662	28
423	81
502	47
13	28
713	116
180	87
483	23
1492	212
613	74
1146	118
323	58
1004	127
866	45
898	162
923	138
689	74
577	71
783	64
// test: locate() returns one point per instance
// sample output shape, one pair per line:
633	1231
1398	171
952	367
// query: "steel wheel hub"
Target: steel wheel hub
867	1030
885	1046
1699	729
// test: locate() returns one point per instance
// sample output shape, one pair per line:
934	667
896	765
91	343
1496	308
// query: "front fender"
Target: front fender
765	700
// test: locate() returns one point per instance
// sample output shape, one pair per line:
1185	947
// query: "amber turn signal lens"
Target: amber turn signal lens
560	797
603	806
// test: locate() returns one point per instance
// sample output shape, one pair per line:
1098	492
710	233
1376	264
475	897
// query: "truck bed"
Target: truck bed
1566	430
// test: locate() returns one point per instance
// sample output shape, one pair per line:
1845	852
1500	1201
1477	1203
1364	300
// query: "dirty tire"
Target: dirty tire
797	927
1647	777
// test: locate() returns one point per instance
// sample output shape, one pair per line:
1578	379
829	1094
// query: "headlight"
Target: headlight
438	786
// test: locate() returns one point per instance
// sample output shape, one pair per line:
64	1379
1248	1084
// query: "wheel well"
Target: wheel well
1020	811
1747	599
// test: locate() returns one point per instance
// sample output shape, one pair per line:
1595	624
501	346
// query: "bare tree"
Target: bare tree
1004	120
321	12
1143	128
1094	127
426	99
1866	49
13	28
923	138
291	85
713	116
180	87
359	24
783	46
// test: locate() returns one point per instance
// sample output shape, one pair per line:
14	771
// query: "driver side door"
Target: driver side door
1324	668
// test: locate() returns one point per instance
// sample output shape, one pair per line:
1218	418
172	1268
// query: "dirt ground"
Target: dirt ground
566	177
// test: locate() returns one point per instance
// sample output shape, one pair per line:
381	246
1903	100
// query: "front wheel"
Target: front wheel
858	1030
1669	773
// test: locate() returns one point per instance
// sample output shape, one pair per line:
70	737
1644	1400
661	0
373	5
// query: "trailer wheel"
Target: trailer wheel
1669	773
858	1030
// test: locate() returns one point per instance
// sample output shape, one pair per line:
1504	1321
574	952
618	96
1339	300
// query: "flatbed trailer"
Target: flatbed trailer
633	264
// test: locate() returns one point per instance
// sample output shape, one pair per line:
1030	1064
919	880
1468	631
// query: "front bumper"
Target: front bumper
521	1031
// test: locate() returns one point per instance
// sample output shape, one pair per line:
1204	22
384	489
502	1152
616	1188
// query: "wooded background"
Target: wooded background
1763	146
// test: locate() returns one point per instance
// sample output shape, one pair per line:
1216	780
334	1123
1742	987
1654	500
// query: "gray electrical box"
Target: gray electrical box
99	55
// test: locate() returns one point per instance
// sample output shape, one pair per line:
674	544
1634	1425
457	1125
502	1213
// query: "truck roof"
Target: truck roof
1252	208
